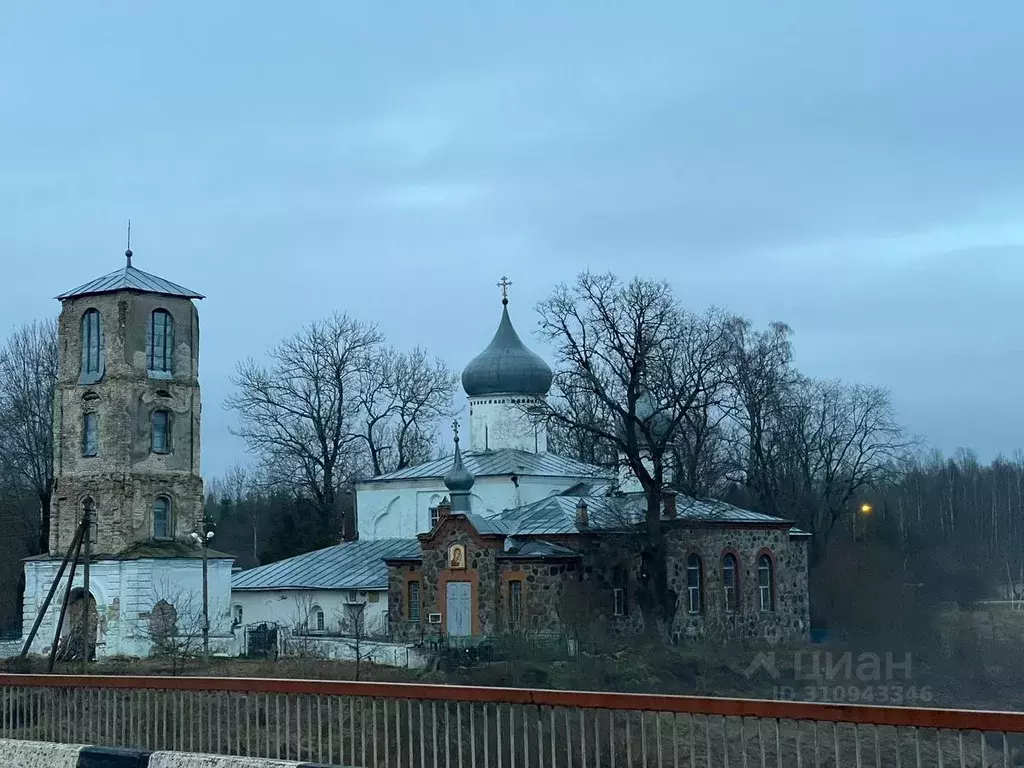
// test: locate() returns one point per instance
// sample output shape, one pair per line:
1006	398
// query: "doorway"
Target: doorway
458	602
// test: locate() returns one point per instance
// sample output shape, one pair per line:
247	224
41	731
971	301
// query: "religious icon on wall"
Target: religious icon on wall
457	556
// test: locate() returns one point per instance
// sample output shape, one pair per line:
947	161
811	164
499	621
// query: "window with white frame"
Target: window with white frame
766	582
730	580
619	602
236	615
694	579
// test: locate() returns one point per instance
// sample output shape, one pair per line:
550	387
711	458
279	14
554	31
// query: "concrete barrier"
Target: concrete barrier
37	754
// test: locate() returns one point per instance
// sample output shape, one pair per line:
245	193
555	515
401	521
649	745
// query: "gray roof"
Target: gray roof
129	278
506	366
530	548
507	461
556	515
350	565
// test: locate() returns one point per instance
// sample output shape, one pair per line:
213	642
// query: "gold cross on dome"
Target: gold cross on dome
504	283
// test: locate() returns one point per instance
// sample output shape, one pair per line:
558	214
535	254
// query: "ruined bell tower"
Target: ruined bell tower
127	413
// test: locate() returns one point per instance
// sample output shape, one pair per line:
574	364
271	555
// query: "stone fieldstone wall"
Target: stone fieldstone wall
543	593
790	618
568	595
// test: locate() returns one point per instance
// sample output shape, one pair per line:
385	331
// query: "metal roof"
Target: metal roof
506	366
129	278
530	548
556	515
507	461
350	565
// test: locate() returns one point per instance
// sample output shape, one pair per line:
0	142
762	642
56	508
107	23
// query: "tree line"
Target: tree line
702	403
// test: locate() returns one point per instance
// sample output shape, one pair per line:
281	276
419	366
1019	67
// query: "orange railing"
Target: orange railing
424	726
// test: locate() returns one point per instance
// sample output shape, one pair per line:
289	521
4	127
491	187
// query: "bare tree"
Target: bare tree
174	625
839	441
28	381
404	396
299	414
360	634
631	366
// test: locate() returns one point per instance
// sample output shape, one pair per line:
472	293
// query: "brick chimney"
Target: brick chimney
582	516
668	502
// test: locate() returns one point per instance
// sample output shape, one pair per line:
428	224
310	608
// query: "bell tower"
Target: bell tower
127	413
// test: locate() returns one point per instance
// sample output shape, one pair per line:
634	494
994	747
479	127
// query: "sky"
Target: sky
855	169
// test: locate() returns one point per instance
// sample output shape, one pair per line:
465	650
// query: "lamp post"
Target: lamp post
864	510
201	538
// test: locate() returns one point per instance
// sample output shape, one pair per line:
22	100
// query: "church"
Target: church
128	490
508	537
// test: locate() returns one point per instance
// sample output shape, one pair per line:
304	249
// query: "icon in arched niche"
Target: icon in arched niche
457	556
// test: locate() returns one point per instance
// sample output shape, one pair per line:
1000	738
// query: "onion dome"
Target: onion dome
506	367
459	480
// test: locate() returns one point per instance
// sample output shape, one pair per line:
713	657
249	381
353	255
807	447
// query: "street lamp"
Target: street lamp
202	538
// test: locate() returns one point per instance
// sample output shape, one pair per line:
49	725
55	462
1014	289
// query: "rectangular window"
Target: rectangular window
515	603
433	517
373	597
619	597
160	439
414	601
319	621
162	518
90	434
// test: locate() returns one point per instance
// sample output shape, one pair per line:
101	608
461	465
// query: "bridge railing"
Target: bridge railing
438	726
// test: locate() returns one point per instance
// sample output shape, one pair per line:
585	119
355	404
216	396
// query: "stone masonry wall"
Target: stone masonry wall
612	562
543	593
125	477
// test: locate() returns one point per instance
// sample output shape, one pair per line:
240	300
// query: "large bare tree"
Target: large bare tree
404	396
299	412
28	381
333	404
632	365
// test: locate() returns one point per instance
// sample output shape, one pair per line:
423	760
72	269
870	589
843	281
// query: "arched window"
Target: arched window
236	615
160	342
162	518
731	581
316	619
160	432
766	582
694	579
90	433
92	347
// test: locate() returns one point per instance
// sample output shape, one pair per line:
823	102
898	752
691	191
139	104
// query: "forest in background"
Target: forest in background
718	404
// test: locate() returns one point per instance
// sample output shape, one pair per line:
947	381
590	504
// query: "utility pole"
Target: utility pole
202	538
87	514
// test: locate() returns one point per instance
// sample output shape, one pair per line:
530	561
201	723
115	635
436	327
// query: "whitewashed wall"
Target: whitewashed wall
291	607
125	592
342	649
401	509
501	421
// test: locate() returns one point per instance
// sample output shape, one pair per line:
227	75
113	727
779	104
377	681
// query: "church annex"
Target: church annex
506	536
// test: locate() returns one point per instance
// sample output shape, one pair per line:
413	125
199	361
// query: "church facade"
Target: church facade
513	538
127	469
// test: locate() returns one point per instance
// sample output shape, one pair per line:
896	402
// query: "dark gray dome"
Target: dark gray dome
459	479
506	367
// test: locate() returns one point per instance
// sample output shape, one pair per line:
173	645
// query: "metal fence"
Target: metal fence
434	726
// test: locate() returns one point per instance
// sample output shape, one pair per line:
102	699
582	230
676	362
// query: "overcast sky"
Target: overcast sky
852	168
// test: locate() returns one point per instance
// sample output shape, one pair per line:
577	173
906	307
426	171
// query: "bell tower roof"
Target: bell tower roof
130	278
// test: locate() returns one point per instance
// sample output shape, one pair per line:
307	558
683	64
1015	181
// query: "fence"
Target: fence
428	726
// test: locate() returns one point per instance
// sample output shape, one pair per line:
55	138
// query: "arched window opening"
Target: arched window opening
160	342
694	582
236	615
160	432
766	582
90	434
92	347
162	518
316	619
731	579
